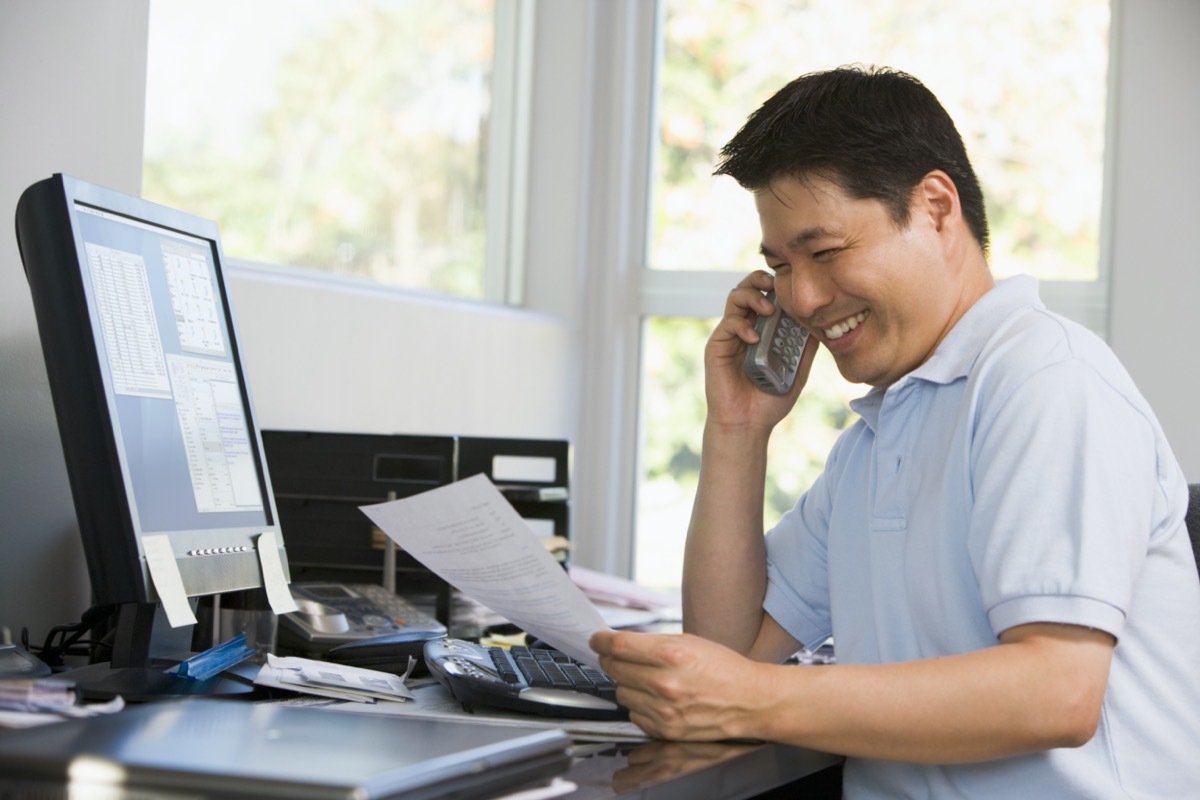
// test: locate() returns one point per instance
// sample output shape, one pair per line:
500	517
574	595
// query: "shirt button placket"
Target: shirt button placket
895	418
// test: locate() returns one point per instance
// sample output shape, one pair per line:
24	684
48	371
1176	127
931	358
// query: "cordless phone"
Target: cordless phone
772	362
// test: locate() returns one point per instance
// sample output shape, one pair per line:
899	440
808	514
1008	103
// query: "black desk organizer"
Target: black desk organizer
320	479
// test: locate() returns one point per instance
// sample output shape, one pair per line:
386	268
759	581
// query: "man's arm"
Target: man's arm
725	568
1042	687
725	561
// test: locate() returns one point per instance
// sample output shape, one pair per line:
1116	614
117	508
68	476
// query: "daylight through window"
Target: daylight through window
347	137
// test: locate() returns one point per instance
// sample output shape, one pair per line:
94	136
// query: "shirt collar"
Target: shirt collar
957	353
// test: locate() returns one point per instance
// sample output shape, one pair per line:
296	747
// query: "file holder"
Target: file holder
320	479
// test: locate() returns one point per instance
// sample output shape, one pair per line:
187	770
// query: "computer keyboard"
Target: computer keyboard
526	679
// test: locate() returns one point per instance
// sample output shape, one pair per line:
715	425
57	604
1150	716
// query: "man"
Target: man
997	545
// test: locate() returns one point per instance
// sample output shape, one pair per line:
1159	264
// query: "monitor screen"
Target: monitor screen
160	328
157	425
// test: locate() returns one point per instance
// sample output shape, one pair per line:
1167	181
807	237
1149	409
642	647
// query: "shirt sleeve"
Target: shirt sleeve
1064	473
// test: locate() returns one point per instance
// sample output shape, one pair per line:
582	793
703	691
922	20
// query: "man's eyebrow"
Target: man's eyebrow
799	240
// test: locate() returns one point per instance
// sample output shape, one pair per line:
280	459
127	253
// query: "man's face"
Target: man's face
878	296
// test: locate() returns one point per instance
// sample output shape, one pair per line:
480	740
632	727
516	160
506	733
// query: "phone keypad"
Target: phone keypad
772	362
384	609
788	344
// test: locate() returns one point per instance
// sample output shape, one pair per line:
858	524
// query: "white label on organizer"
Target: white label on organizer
542	528
524	469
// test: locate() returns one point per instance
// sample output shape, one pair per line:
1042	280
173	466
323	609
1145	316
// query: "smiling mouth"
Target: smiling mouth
845	326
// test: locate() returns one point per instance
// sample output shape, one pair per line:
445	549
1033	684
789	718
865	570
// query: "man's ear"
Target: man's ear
937	196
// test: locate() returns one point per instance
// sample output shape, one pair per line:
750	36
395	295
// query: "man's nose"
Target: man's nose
806	292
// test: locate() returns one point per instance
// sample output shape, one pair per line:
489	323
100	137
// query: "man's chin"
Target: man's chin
850	371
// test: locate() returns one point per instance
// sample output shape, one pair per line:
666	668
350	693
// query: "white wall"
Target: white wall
71	97
357	360
1156	208
71	100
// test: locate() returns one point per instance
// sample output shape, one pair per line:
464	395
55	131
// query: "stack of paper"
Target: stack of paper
338	681
25	702
29	694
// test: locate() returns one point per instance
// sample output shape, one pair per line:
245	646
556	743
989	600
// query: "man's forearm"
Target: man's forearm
1041	691
724	575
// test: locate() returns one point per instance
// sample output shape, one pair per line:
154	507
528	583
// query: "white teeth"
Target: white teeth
842	328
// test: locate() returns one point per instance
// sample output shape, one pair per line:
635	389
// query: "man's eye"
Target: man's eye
821	255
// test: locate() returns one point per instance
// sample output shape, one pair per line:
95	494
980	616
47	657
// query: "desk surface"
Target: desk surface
608	763
635	769
660	770
200	737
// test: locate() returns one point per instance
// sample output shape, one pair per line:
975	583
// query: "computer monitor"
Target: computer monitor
154	412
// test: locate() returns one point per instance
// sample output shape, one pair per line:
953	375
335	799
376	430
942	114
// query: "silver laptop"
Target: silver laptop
229	749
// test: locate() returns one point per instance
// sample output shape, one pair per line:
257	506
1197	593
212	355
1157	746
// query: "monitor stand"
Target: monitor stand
137	676
102	681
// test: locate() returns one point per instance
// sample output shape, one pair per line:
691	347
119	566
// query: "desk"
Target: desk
215	749
709	770
633	768
610	760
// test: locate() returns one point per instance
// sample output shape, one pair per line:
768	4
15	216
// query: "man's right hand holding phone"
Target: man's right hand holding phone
734	397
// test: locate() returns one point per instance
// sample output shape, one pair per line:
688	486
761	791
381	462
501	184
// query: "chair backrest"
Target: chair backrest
1193	518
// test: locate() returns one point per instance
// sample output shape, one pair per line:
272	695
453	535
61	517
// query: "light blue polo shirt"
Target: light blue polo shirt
1017	476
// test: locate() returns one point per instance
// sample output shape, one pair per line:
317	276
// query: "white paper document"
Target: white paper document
471	536
431	700
339	681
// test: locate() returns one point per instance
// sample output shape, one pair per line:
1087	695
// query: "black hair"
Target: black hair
875	132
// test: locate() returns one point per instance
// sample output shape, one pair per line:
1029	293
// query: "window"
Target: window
1026	83
353	138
